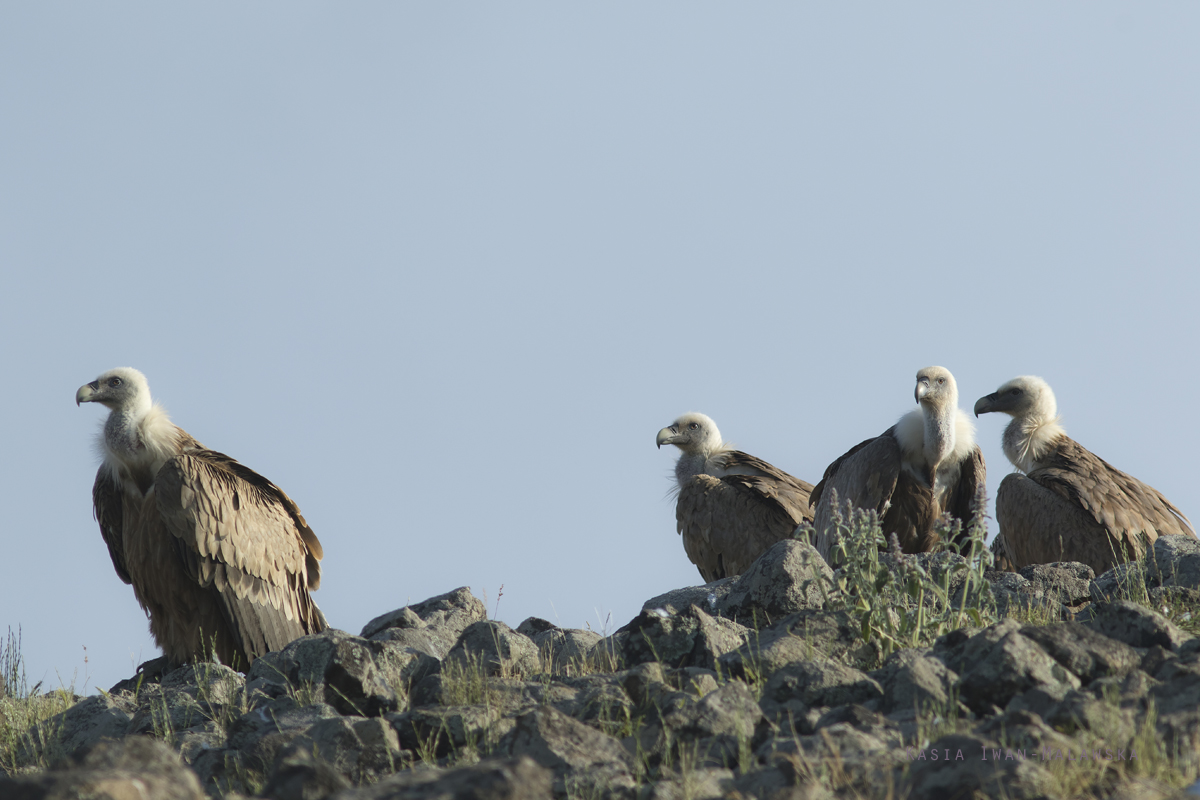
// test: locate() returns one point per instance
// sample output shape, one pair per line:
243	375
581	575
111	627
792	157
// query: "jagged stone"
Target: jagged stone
133	768
496	649
959	771
81	726
1084	652
784	778
337	667
707	783
785	579
361	749
999	663
582	760
494	779
914	683
559	648
794	689
865	763
713	731
804	636
440	732
1175	561
1136	626
299	774
690	638
1060	587
452	612
707	597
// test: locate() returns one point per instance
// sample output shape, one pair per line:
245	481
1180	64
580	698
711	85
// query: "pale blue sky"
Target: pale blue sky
442	270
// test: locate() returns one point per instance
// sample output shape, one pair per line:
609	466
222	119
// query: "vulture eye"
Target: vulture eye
114	382
941	381
1015	392
693	425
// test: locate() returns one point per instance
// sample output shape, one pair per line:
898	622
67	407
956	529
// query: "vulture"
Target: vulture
925	465
1069	504
219	557
731	506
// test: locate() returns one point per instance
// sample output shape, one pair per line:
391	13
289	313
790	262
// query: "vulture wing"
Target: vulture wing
866	476
726	523
961	502
106	502
241	535
1087	511
770	483
1040	526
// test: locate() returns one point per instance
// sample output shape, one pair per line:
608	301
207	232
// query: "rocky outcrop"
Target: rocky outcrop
754	686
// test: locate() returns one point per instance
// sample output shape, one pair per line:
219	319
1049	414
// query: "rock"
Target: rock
495	779
451	612
362	750
1123	580
583	761
999	663
715	731
915	683
561	649
1176	561
863	763
795	688
132	768
336	667
804	636
1060	586
496	648
438	732
788	577
1083	651
1132	624
81	726
298	774
690	638
953	767
707	597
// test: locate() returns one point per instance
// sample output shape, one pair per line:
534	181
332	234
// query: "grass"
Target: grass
897	600
28	740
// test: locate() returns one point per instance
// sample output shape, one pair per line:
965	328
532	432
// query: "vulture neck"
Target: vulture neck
1028	439
705	462
939	435
934	445
136	443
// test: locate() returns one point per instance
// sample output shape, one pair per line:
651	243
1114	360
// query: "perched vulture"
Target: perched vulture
732	506
218	556
921	467
1069	505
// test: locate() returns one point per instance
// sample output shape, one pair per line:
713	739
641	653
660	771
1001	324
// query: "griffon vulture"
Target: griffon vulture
732	506
216	553
1069	505
921	467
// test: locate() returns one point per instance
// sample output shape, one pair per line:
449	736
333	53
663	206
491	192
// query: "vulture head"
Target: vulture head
936	389
694	434
123	388
1026	397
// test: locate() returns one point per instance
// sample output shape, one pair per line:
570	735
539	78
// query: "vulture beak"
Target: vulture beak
665	436
84	395
984	404
921	390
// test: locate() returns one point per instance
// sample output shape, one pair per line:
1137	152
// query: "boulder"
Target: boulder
690	638
560	649
999	663
494	779
790	576
914	683
1136	626
582	760
134	767
1175	561
953	767
803	636
496	649
451	612
333	666
793	689
706	597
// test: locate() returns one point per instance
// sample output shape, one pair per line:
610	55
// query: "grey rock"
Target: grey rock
135	767
915	682
496	648
433	642
443	731
1176	561
452	612
1083	651
689	638
999	663
1068	582
582	759
495	779
1136	626
784	778
81	726
799	686
337	667
790	576
693	784
1121	581
561	649
965	774
865	762
298	774
706	597
804	636
361	749
713	731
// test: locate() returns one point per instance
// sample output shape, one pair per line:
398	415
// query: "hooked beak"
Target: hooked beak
85	393
666	436
921	390
986	404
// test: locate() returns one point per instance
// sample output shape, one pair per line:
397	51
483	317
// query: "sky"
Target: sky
441	271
